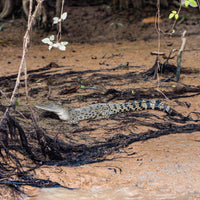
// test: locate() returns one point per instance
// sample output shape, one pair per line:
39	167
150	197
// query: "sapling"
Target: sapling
51	39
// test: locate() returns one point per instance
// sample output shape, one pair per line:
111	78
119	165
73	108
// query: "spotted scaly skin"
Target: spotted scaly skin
104	110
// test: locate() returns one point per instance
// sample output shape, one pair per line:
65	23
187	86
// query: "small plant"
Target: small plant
57	20
51	39
173	14
186	3
191	3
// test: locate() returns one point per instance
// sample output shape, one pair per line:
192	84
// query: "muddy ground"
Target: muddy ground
163	167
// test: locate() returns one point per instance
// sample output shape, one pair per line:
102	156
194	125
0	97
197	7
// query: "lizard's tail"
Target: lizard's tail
150	104
157	105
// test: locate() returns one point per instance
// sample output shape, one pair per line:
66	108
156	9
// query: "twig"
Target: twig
169	56
180	56
162	93
158	47
59	35
174	24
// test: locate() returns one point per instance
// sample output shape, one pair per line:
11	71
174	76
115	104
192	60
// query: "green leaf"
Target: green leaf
171	15
47	41
176	16
56	45
82	86
50	47
187	3
55	20
61	47
193	3
64	16
16	102
64	43
52	37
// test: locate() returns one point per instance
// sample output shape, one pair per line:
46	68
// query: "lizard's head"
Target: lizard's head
63	113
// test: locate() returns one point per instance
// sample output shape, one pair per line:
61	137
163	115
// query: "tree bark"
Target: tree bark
7	8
